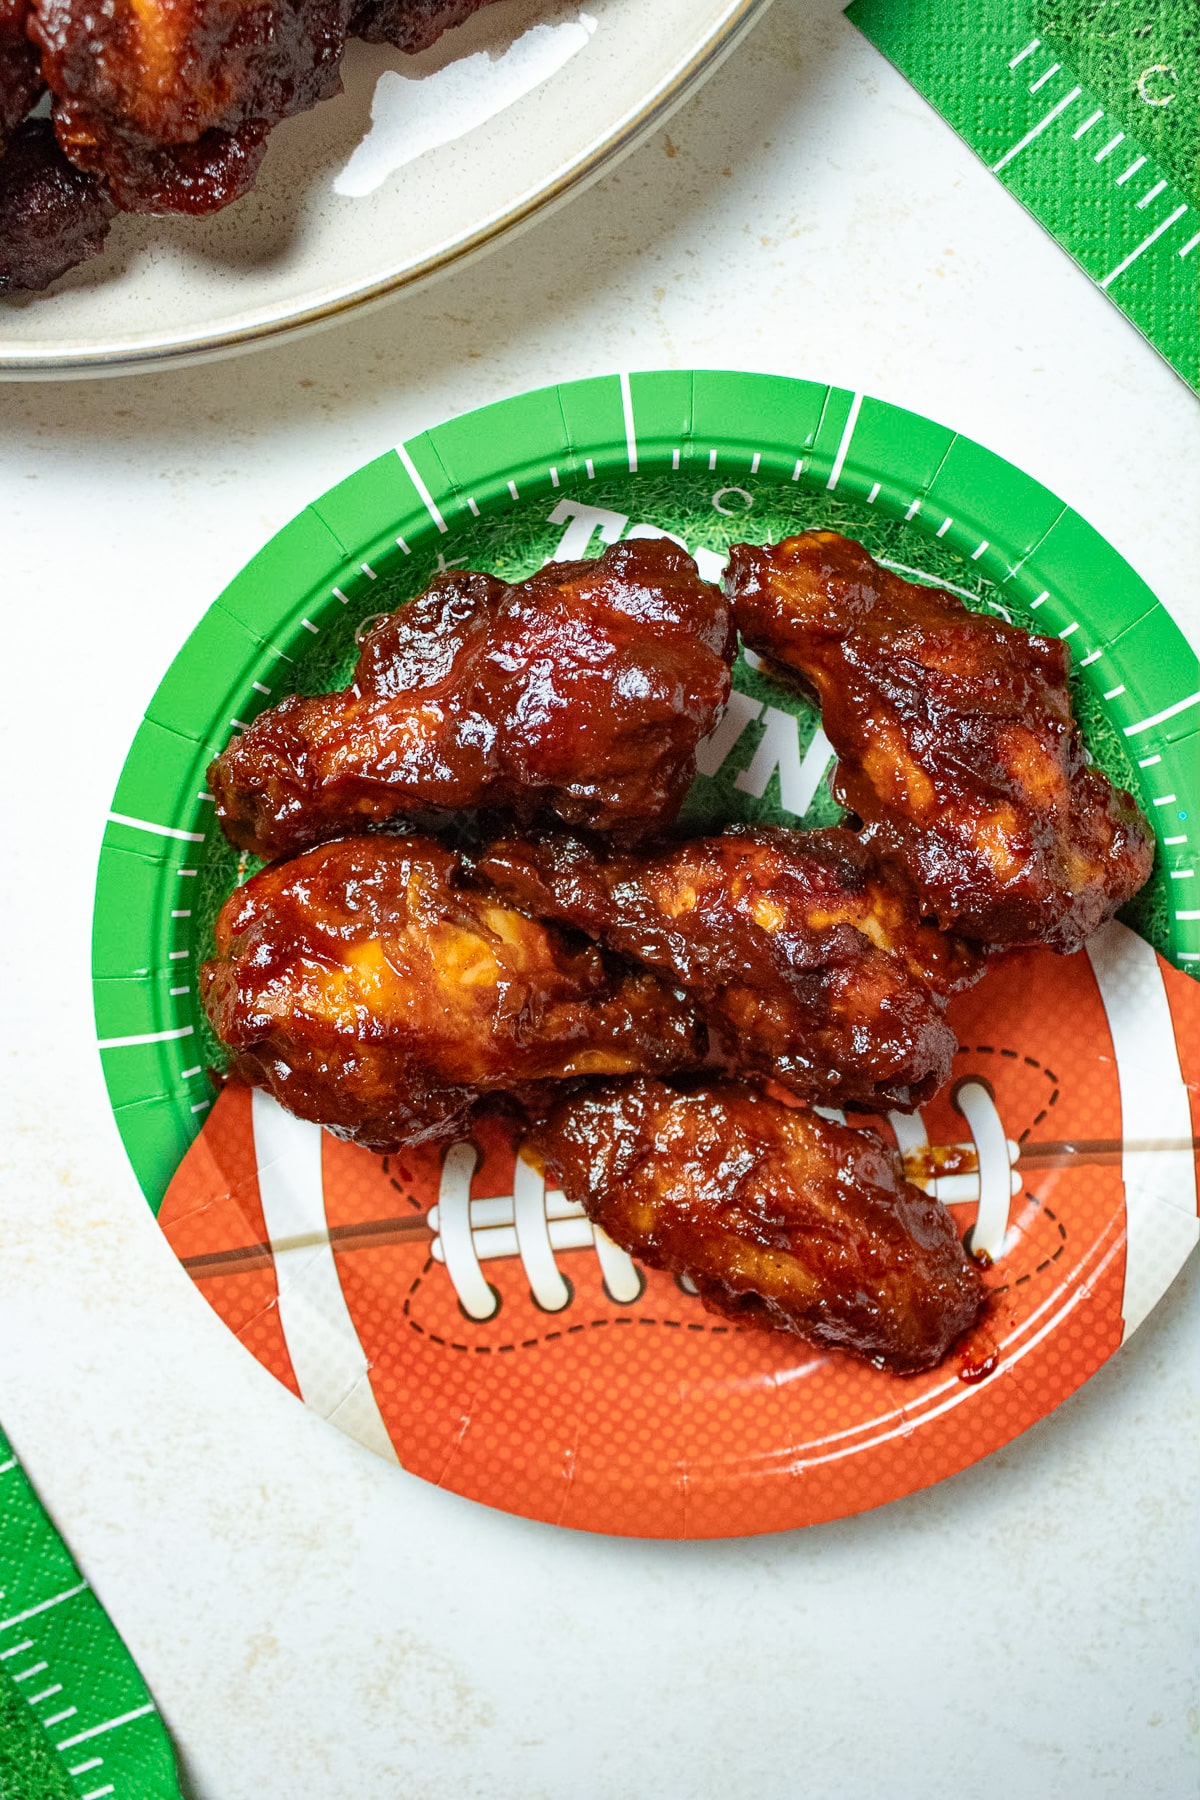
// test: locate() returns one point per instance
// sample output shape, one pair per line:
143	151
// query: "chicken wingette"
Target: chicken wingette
779	1217
580	693
808	957
956	742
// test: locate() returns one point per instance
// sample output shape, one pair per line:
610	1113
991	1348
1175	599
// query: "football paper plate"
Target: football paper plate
419	162
441	1305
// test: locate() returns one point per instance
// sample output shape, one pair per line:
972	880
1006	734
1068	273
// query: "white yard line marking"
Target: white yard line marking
258	686
138	1712
326	1352
1193	913
1068	629
1037	130
553	476
368	571
913	510
1151	194
1188	955
512	488
182	872
60	1718
206	796
1029	49
1145	244
1183	874
1176	840
1040	601
1190	245
93	1762
1157	718
426	498
175	955
627	414
404	546
755	461
338	595
186	1074
167	831
1164	800
239	724
675	459
1087	124
45	1693
1109	147
1162	1206
25	1644
142	1037
1148	762
98	1793
33	1669
590	466
873	495
55	1599
472	507
201	1106
1043	79
976	554
1132	170
712	459
1114	693
176	991
943	528
6	1466
309	626
839	461
1091	657
182	913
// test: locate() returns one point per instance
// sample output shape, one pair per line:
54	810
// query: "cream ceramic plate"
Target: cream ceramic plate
420	161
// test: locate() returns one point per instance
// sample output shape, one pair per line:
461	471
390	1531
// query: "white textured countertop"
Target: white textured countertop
315	1623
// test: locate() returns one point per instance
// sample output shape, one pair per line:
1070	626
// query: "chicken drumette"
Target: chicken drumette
171	100
780	1218
956	742
369	990
582	692
411	25
52	215
807	956
20	75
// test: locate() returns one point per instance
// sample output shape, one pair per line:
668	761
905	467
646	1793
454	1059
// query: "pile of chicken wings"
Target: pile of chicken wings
480	898
161	106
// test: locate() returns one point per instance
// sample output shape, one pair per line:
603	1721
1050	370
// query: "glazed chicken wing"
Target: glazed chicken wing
780	1218
808	958
956	742
370	991
171	100
52	216
411	25
20	74
583	692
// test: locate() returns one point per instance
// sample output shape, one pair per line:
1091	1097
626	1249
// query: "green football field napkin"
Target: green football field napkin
76	1720
1089	112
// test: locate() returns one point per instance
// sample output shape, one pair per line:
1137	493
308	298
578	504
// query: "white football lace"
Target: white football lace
534	1222
538	1224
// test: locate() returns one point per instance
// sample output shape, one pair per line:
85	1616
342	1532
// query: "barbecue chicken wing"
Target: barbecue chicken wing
52	216
808	958
583	692
956	742
411	25
20	74
171	100
368	990
780	1218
